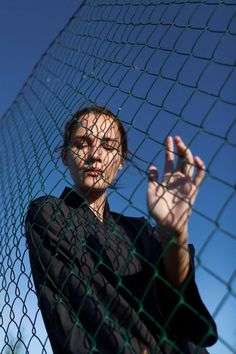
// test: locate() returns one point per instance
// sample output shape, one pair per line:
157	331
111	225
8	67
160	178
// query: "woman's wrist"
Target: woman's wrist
173	237
176	258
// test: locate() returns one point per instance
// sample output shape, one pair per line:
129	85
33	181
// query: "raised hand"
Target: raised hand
170	202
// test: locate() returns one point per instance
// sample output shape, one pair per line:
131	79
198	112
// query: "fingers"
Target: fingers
200	174
169	160
186	160
190	162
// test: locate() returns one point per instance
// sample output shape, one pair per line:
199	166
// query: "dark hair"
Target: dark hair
97	110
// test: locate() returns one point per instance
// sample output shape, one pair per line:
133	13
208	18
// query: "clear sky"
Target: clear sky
27	27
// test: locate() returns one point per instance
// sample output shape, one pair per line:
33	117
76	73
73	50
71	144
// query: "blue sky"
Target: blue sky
26	30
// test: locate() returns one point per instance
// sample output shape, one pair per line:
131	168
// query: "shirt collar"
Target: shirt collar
75	200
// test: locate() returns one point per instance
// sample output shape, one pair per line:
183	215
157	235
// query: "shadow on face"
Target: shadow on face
95	153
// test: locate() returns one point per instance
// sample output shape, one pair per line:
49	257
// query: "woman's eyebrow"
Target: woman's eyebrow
77	137
87	136
107	138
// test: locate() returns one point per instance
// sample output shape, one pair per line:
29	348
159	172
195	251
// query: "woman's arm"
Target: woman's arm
182	306
170	203
51	257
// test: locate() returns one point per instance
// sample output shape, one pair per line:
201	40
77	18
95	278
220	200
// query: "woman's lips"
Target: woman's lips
94	173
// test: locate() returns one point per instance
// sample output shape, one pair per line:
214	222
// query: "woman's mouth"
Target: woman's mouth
93	173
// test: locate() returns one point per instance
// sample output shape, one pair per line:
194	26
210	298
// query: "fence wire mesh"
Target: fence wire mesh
164	68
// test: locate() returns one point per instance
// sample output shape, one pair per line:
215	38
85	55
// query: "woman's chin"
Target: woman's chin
92	186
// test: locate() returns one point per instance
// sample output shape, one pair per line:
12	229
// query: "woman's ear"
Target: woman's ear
64	157
121	165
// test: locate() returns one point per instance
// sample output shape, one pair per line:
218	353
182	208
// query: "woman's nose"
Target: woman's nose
95	152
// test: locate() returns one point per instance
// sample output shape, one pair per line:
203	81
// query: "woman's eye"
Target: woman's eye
108	146
82	145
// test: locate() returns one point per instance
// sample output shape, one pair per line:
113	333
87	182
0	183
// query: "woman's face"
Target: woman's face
95	153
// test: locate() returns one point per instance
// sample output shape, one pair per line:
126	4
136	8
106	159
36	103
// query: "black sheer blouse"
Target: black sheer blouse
102	287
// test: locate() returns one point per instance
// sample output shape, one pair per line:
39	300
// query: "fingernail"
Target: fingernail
152	175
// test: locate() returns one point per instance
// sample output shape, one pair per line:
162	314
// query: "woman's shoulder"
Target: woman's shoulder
44	207
46	201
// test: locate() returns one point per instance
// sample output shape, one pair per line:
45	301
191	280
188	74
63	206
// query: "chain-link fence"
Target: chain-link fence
165	68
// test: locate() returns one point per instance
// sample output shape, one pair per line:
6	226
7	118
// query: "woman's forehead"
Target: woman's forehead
97	125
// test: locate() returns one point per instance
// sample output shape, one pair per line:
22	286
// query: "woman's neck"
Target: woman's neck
98	207
96	201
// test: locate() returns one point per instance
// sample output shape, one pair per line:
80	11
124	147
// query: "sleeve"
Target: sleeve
53	263
182	308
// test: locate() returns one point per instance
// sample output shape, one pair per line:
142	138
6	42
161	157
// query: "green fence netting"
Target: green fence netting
164	68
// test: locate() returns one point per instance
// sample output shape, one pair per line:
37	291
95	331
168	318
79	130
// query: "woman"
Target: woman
109	283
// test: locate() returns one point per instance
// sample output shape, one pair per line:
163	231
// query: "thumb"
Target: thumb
152	177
